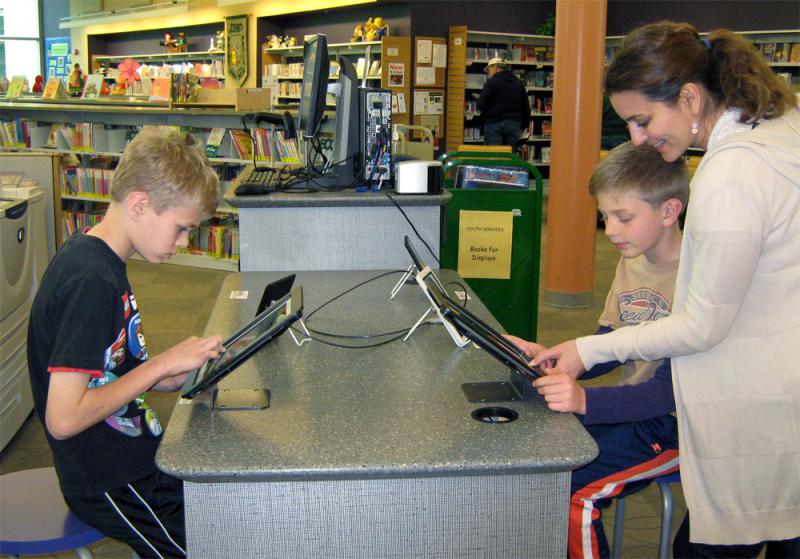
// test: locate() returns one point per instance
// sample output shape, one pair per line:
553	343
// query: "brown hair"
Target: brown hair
171	168
641	170
656	60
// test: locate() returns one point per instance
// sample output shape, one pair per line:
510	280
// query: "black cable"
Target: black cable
389	195
464	289
398	334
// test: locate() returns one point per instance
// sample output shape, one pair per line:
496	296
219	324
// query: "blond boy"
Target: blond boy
87	356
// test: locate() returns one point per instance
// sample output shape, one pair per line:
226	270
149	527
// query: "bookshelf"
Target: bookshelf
530	57
779	48
82	177
204	64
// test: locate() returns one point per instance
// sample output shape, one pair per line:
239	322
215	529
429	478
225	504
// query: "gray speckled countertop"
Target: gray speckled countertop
393	411
342	198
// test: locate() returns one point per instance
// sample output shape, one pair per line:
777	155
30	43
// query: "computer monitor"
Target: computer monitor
314	89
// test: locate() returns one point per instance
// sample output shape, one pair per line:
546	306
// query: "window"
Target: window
20	40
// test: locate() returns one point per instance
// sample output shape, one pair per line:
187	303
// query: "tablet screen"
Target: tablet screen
485	336
267	326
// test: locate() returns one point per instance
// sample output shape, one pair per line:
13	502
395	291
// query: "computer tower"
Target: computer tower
376	133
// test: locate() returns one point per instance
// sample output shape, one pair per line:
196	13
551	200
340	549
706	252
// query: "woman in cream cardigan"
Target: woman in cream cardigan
734	332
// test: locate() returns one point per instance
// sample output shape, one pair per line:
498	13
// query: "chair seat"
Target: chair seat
34	517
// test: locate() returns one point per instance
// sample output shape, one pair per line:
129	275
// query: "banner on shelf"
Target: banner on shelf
236	39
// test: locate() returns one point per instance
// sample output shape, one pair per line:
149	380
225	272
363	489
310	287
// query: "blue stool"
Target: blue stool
666	517
35	519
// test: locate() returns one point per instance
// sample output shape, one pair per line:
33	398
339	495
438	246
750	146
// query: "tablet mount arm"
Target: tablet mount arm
420	276
308	337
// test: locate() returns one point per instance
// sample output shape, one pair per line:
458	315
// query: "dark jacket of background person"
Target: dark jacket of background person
504	98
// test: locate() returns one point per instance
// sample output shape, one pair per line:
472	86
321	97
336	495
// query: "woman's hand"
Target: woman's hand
566	357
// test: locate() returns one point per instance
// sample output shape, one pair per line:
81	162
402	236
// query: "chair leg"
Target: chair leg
83	552
666	521
619	521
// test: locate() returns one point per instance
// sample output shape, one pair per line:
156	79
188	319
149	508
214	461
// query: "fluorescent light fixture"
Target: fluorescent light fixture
160	9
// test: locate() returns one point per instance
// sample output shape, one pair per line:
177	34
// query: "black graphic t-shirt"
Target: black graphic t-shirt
85	319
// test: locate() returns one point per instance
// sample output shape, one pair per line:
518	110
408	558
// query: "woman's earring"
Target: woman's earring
694	128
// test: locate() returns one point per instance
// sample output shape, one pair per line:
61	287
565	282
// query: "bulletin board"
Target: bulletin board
430	61
429	111
396	73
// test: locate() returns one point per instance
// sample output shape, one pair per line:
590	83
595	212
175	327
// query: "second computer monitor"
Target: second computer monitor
316	69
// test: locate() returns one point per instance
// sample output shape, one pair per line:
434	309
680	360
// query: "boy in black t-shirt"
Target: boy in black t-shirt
87	357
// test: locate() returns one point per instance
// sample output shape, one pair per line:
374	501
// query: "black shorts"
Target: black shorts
146	514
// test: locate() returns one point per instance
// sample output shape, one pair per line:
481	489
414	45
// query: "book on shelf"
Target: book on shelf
91	89
375	68
360	66
794	53
18	86
242	143
215	138
54	89
161	89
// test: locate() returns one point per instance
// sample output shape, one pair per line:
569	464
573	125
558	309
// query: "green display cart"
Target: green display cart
514	302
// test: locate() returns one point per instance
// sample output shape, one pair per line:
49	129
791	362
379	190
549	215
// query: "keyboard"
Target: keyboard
257	181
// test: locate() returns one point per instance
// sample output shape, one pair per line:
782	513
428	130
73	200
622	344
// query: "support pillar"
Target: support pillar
577	119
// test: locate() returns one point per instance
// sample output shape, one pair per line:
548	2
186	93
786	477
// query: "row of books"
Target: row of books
532	53
535	154
15	133
215	69
218	238
295	69
540	127
86	181
268	145
540	104
77	220
485	53
78	136
779	51
535	78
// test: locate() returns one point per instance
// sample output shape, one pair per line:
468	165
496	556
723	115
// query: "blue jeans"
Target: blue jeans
502	133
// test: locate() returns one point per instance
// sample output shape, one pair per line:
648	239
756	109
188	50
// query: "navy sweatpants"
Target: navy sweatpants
146	514
631	455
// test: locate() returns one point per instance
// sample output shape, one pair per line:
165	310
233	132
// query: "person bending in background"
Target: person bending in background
640	197
734	330
504	106
88	361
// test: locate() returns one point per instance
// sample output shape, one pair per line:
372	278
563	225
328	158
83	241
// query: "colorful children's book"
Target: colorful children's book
18	85
214	140
54	89
91	89
162	87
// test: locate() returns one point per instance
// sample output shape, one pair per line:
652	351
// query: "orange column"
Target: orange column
577	115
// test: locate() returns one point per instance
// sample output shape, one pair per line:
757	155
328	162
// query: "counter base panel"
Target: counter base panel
334	238
441	517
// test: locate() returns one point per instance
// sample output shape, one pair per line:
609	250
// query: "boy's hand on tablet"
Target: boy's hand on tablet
562	393
531	349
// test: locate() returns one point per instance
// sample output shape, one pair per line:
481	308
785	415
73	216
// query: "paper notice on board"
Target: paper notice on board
397	71
439	56
426	75
424	51
484	244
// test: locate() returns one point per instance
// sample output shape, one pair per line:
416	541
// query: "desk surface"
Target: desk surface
392	411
